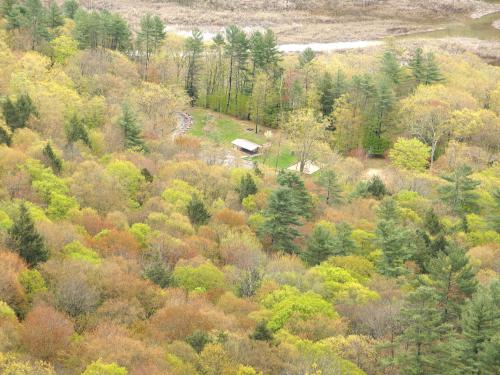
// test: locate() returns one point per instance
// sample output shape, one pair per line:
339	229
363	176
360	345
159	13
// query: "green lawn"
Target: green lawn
224	129
221	129
285	160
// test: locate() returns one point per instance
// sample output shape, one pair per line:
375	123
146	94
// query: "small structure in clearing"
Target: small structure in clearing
246	146
309	167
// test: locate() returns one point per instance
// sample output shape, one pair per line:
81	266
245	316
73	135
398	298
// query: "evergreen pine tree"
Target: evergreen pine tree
489	359
25	240
376	187
397	243
282	216
453	278
417	65
193	47
54	162
328	179
378	121
197	212
54	16
343	242
158	272
76	131
131	130
247	186
392	68
261	332
17	114
70	7
423	331
432	74
5	137
325	88
306	57
480	322
432	224
301	196
459	193
320	246
495	216
397	247
147	175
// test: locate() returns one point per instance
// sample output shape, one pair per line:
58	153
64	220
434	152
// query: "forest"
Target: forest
130	246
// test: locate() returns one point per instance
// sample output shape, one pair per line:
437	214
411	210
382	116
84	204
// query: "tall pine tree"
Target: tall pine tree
282	218
459	192
131	130
25	240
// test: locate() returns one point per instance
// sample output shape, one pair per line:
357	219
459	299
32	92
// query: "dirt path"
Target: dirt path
184	123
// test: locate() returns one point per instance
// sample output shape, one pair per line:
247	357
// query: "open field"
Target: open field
222	130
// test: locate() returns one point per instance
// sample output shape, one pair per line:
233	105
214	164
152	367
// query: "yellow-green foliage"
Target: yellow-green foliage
33	282
338	285
410	154
6	310
289	301
141	232
11	364
5	220
100	368
203	277
75	250
179	193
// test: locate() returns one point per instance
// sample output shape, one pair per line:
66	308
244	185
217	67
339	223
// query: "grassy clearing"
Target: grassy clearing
220	128
285	160
224	129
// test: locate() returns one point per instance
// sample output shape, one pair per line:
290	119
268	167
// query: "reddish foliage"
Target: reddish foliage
46	332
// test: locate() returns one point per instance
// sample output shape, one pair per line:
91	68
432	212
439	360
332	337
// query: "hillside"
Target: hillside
179	206
306	21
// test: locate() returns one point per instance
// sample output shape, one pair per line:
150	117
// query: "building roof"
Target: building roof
247	145
309	167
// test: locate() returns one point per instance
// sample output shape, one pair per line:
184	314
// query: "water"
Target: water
289	48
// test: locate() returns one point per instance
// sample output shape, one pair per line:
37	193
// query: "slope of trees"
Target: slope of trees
126	250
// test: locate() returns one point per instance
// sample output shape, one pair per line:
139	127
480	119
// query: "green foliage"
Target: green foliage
261	332
25	239
33	283
452	277
197	212
320	246
141	232
306	57
5	221
100	368
328	179
75	250
131	130
246	187
5	137
101	29
288	302
70	7
76	131
53	160
129	177
422	332
282	216
495	216
198	340
203	277
158	272
480	323
6	311
250	283
17	114
459	193
410	154
376	187
301	196
338	285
